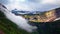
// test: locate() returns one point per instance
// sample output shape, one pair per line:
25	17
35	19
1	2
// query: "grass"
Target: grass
9	27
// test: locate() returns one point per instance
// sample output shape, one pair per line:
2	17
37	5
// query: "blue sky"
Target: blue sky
31	5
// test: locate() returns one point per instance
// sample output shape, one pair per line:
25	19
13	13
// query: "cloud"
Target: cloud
4	1
18	20
48	1
50	4
33	5
43	5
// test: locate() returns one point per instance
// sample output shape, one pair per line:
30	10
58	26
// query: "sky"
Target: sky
31	5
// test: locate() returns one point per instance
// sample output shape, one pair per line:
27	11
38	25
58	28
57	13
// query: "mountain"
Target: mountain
7	26
2	6
16	11
57	12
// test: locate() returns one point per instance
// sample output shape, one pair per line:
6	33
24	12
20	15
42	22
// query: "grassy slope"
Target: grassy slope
9	27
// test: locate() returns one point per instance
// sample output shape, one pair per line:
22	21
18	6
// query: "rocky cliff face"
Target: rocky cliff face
57	12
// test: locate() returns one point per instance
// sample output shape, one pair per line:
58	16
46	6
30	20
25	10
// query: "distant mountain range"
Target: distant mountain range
16	11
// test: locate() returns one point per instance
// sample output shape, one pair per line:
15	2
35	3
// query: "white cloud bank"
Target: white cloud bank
33	5
30	5
18	20
49	4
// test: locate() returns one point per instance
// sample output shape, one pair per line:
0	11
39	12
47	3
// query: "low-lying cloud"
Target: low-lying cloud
18	20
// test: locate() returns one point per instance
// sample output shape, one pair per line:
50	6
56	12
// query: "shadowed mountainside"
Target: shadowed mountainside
9	27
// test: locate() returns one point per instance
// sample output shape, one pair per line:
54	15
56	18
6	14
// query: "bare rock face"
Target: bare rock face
1	5
58	12
3	8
